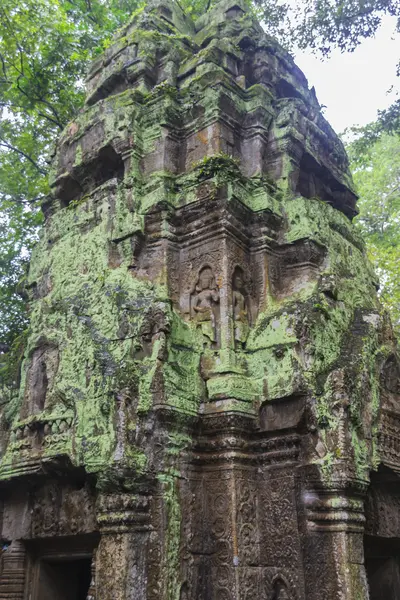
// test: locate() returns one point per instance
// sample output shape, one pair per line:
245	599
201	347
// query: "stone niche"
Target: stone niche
223	264
209	400
216	271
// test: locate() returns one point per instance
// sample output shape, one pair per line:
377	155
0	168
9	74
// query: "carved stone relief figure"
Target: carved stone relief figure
154	332
261	67
240	308
154	337
204	305
136	242
184	595
338	440
39	380
42	370
123	402
280	591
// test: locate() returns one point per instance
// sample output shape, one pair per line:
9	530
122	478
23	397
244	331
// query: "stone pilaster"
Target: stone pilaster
12	581
121	555
333	541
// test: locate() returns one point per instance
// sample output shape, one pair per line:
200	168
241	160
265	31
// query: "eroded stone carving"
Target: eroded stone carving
91	595
280	591
241	311
154	331
13	573
41	372
204	304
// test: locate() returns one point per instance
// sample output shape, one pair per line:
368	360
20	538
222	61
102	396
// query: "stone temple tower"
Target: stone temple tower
209	406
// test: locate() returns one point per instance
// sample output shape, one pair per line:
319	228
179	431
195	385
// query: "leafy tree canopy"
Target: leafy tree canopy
326	24
377	176
44	49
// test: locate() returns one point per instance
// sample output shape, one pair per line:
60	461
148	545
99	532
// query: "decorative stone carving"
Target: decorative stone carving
280	591
62	510
91	595
41	372
204	303
12	580
154	331
241	311
120	513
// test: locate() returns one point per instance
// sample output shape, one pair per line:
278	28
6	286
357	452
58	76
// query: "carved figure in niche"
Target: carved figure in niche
40	377
184	594
154	332
240	308
154	336
280	591
338	439
137	241
39	381
204	304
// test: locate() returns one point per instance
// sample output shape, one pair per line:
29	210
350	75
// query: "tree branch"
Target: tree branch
20	49
57	121
51	120
3	66
89	7
5	144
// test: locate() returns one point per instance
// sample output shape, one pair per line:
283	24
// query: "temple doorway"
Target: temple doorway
382	563
60	568
63	579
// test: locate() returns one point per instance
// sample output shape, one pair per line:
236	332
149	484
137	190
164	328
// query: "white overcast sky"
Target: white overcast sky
353	86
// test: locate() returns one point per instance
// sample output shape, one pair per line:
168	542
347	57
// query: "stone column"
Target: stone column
91	595
122	552
12	581
334	540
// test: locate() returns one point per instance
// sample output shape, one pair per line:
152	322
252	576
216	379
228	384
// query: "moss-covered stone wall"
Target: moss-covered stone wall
198	274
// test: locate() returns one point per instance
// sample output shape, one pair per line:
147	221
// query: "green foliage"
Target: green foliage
326	24
377	176
388	121
45	46
17	234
